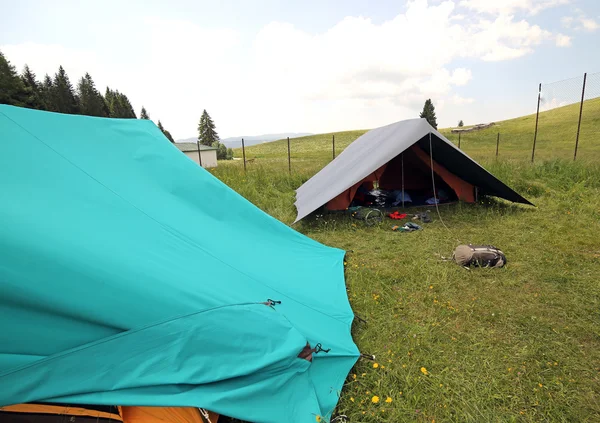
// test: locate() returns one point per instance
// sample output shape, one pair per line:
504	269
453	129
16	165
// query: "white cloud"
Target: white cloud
580	22
567	21
563	40
460	76
589	24
456	99
355	74
511	6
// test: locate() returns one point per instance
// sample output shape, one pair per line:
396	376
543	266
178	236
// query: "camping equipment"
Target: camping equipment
397	215
479	255
408	156
368	215
122	285
423	217
407	227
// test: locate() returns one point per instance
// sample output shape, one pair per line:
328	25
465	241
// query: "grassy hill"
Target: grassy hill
556	139
517	344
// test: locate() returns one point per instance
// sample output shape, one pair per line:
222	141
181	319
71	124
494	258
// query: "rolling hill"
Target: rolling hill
557	129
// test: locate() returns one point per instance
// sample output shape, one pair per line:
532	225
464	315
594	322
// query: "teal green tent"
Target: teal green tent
131	276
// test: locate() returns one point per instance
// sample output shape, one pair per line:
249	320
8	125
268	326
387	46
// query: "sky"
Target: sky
269	66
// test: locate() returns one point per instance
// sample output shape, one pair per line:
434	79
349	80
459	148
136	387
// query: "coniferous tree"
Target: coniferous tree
62	93
207	134
164	131
144	114
12	89
46	93
118	105
33	89
91	102
429	113
460	123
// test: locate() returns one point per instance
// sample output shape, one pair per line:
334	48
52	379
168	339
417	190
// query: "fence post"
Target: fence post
199	155
289	157
333	145
580	111
537	115
459	140
244	154
497	144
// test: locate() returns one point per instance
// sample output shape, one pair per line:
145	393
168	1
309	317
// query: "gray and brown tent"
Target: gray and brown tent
400	157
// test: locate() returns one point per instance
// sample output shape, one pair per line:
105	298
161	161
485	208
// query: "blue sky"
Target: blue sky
309	66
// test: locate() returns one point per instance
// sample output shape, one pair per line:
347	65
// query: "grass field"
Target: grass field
518	344
557	130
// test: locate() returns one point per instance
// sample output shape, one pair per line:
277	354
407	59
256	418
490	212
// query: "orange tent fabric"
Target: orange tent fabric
164	415
125	415
59	410
343	200
464	190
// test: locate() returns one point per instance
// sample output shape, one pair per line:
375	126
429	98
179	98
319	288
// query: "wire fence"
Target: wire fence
566	125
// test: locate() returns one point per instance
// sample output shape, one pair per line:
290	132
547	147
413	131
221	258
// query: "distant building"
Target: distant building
207	154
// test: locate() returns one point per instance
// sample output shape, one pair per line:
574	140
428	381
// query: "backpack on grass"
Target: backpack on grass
479	255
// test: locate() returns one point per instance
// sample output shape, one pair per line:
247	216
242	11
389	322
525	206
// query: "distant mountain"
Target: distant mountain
235	142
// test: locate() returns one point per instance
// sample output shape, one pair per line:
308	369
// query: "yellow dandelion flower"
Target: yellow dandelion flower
441	384
388	400
375	399
375	365
352	399
430	286
424	371
404	366
540	385
400	392
318	418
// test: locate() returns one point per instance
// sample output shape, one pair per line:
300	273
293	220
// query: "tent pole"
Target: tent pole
402	160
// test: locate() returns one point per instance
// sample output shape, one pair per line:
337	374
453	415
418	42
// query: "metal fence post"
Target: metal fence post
580	111
459	140
199	155
289	157
244	154
333	145
537	115
497	144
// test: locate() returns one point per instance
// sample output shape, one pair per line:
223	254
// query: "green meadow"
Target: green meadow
517	344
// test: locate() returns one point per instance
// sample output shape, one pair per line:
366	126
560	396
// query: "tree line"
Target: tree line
207	135
57	94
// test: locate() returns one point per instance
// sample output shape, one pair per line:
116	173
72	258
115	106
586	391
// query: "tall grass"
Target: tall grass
518	344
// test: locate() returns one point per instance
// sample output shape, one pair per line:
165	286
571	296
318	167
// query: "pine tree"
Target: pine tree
144	114
460	123
12	89
63	96
91	102
164	131
46	93
207	134
33	89
429	113
118	105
